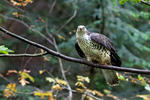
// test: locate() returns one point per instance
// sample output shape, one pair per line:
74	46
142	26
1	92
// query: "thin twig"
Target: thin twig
89	94
23	55
63	72
68	21
52	6
60	64
103	17
28	26
81	61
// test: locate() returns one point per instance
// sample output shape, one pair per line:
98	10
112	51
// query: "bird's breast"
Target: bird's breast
92	49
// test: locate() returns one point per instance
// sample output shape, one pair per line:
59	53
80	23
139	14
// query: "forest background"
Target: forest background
53	24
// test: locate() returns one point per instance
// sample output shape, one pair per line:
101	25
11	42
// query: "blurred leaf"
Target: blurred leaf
10	90
145	97
147	87
5	50
49	79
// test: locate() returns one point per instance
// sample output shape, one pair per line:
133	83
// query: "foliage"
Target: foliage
125	22
10	90
5	50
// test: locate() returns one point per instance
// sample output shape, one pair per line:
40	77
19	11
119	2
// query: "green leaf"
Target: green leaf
147	87
5	50
121	77
142	80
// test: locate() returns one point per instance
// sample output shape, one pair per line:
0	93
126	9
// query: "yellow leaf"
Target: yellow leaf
90	98
42	71
10	90
61	82
107	91
56	87
25	75
7	93
15	14
82	79
56	80
11	71
12	86
133	80
80	90
145	96
20	2
43	94
80	84
51	80
61	37
97	93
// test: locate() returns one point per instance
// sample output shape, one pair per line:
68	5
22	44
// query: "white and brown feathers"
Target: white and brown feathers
98	48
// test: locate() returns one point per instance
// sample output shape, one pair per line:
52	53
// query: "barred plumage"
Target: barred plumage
97	47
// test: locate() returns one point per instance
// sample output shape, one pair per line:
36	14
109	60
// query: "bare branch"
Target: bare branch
81	61
60	63
146	2
68	21
23	55
28	26
52	6
63	72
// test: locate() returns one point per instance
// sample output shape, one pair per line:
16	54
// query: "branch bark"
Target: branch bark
146	2
23	55
81	61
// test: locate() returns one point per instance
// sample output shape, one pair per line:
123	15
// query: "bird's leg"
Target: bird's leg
91	71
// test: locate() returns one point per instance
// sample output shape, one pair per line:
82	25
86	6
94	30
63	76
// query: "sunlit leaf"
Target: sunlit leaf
26	75
23	81
23	76
61	82
5	50
147	87
49	79
56	87
42	71
82	79
10	90
107	91
121	77
11	71
145	96
20	2
80	84
43	94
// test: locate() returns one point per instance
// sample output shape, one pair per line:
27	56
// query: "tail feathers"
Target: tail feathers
110	77
115	59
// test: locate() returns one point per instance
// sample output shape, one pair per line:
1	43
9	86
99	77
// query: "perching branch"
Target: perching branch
81	61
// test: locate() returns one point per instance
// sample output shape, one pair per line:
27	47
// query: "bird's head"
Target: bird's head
81	29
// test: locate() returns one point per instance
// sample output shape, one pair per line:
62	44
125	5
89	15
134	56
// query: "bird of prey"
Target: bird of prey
98	48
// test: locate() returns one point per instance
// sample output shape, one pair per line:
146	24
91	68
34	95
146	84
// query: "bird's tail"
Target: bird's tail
110	77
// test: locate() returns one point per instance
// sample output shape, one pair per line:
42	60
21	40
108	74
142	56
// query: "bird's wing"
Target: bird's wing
105	41
80	52
102	40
